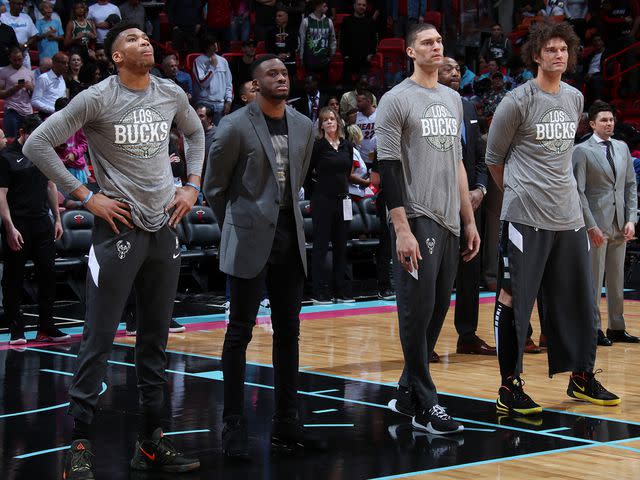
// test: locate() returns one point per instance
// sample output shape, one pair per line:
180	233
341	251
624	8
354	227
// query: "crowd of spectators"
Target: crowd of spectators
53	49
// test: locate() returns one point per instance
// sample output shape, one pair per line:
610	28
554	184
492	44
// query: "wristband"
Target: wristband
87	198
193	185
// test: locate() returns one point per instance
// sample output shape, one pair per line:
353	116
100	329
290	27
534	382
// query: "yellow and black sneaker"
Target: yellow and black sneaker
584	386
513	401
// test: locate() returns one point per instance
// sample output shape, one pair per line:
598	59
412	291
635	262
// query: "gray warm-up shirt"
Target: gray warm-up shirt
532	134
128	136
420	127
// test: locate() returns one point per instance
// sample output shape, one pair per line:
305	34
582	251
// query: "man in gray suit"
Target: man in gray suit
256	166
607	185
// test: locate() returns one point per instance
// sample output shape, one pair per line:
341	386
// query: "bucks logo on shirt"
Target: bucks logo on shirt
439	127
141	132
555	130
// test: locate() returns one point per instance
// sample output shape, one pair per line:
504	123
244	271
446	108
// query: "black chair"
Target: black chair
73	249
305	209
201	239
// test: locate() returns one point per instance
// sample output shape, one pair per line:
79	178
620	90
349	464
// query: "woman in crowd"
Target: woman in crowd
332	161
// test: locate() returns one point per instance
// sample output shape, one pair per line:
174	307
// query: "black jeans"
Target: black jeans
38	246
284	278
329	226
383	255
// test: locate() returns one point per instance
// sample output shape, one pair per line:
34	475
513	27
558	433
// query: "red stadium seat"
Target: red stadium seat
434	18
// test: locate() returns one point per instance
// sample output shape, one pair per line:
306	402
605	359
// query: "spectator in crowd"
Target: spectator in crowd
213	80
265	14
466	74
98	13
494	96
295	9
492	66
80	30
468	277
72	153
552	8
50	32
132	11
26	196
317	41
241	66
349	100
7	40
16	87
205	114
518	72
333	102
358	42
50	86
282	39
606	180
171	71
332	162
186	18
246	94
366	120
218	21
593	64
350	117
107	67
310	103
240	20
497	46
359	181
44	67
23	26
90	74
575	12
71	78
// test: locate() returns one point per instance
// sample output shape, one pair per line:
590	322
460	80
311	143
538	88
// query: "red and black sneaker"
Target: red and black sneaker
77	463
513	401
158	454
584	386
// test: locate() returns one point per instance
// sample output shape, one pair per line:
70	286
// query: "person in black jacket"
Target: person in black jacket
332	160
282	40
358	41
468	278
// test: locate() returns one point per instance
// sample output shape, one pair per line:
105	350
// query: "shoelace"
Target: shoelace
596	386
518	391
440	412
166	447
81	460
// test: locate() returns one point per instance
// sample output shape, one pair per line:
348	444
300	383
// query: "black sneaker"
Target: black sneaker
287	434
513	401
51	335
387	294
402	403
77	461
584	386
437	421
17	337
345	299
235	438
175	327
321	300
159	455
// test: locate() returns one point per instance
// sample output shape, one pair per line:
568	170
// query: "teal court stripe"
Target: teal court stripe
325	411
331	390
125	364
59	372
41	452
551	430
467	429
327	425
483	462
51	352
185	432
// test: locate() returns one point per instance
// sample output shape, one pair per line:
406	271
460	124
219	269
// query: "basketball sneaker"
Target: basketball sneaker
584	386
51	334
17	337
77	461
158	454
402	403
436	420
235	438
175	327
287	434
512	399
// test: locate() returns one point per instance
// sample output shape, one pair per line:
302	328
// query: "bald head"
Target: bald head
449	73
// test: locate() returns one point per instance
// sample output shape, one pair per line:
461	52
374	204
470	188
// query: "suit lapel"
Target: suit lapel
601	158
256	117
295	145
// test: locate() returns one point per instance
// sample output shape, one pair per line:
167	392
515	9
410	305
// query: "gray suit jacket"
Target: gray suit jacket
602	197
240	185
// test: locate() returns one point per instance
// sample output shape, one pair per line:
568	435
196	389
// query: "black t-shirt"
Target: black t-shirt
279	132
27	194
332	167
7	40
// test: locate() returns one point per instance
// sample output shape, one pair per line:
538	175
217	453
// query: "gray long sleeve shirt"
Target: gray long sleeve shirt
128	135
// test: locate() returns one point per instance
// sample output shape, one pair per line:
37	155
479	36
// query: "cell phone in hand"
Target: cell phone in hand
21	81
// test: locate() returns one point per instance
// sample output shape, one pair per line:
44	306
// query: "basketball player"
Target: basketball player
420	155
543	240
127	119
